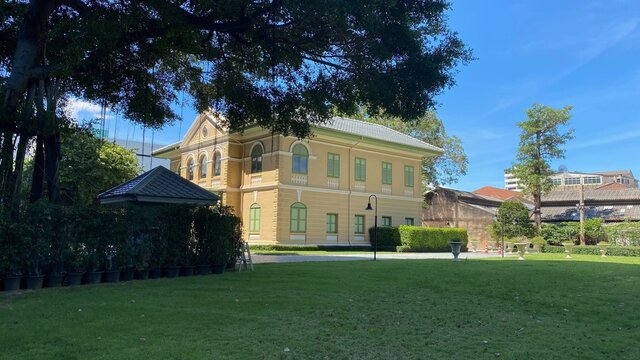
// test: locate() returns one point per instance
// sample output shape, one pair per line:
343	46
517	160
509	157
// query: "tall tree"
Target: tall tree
541	140
277	63
444	169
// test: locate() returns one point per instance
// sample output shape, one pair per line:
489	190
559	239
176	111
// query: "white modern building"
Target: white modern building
568	180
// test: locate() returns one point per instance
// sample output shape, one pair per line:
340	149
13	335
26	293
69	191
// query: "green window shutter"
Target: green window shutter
332	223
254	218
333	165
360	169
386	173
408	176
359	224
386	221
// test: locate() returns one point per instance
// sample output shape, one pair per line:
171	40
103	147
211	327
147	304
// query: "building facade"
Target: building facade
306	192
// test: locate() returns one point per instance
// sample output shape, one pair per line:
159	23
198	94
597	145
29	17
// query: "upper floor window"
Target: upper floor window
300	159
190	166
333	165
572	181
256	158
216	163
556	181
592	180
360	169
386	173
298	218
408	176
203	166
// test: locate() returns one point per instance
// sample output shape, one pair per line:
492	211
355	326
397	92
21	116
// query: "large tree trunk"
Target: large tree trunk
6	164
37	181
51	162
17	175
537	204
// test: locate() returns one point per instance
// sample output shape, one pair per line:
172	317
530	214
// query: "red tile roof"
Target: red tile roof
498	193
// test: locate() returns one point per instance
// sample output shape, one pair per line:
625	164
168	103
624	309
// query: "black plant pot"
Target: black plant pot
171	271
126	275
34	282
73	279
12	283
203	269
187	270
155	273
92	277
218	269
54	280
141	274
111	276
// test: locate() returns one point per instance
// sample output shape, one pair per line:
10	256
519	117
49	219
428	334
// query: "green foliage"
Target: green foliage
595	250
624	233
388	236
444	169
538	240
512	220
555	234
417	238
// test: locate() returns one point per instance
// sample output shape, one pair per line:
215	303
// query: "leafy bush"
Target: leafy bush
512	220
555	234
595	250
416	238
538	240
388	236
624	233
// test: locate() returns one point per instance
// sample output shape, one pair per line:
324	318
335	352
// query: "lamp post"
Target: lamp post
375	224
495	218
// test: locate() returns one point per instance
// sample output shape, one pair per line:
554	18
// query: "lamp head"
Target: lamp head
369	207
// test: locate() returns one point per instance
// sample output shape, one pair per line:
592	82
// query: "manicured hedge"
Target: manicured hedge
388	236
426	239
595	250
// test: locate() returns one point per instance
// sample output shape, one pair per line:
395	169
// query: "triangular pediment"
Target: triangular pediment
207	125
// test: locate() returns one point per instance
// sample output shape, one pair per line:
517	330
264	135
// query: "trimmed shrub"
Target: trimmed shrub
427	239
624	233
388	236
595	250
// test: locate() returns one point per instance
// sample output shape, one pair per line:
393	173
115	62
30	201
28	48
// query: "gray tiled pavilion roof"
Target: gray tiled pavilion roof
159	185
629	194
376	131
606	212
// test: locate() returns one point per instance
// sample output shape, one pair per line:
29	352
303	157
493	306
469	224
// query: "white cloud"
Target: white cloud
84	110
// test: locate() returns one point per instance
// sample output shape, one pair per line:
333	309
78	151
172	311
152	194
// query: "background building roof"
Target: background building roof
498	193
626	194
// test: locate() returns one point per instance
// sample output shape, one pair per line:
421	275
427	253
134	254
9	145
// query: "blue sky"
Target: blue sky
580	53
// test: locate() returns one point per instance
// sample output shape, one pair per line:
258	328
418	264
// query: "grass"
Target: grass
316	252
543	308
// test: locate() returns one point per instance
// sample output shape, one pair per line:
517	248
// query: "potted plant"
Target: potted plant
603	245
141	249
10	254
568	248
538	242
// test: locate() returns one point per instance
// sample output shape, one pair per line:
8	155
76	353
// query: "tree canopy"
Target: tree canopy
277	63
541	141
513	220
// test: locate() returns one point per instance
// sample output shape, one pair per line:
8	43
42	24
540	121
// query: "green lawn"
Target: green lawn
543	308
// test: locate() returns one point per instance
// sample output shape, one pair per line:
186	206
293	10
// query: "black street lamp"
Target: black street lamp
375	225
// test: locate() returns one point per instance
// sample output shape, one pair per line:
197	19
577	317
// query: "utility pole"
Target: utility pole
581	209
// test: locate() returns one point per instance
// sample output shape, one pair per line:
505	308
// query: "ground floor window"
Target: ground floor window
359	224
254	218
386	221
332	223
408	221
298	218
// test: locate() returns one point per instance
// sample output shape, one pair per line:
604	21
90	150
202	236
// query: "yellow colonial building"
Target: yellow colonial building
313	191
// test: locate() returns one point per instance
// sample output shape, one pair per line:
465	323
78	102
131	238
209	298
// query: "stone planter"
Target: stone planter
34	282
73	278
111	276
126	275
568	249
11	283
171	271
455	249
187	270
508	247
92	277
203	269
537	248
141	274
603	249
155	273
522	249
54	280
218	269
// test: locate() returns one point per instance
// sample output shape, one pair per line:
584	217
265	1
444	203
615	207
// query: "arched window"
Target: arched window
216	163
190	166
203	166
298	218
300	159
254	218
256	158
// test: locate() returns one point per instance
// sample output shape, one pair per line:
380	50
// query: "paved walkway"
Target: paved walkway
263	259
